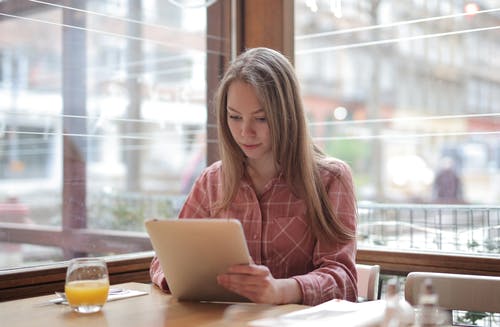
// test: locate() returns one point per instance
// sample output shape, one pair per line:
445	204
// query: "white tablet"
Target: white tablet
192	252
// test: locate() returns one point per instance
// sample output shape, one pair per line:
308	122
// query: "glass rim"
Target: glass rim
84	259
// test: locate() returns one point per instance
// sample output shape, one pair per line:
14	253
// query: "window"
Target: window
102	123
417	81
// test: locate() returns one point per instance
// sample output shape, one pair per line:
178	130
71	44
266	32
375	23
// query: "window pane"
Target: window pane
406	93
102	122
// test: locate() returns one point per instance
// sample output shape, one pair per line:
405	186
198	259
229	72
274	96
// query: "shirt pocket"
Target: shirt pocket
288	226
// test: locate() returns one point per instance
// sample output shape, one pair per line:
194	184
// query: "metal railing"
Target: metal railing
116	226
448	228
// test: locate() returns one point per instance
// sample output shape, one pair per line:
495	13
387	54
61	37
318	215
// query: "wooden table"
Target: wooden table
153	309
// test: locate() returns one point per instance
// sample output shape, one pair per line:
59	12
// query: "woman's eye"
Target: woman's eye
261	119
234	117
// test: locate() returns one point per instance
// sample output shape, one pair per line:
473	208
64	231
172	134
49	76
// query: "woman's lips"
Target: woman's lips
249	146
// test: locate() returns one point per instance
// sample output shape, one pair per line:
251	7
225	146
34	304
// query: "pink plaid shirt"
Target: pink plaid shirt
277	234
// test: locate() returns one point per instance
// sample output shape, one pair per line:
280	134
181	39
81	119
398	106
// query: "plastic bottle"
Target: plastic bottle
398	312
391	314
428	313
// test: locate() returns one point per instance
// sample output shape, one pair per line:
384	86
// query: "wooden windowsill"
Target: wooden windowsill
46	279
400	262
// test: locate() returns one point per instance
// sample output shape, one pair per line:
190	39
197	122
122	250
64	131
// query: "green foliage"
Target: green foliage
472	317
126	212
351	151
355	153
472	244
379	242
127	216
492	246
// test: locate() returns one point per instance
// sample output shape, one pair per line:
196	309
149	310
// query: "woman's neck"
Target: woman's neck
260	173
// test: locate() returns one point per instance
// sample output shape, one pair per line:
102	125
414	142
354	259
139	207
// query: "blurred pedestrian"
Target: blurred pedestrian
447	187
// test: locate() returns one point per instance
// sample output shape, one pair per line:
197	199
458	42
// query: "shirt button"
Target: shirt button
255	236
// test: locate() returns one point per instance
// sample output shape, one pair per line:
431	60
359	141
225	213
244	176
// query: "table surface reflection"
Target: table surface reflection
154	309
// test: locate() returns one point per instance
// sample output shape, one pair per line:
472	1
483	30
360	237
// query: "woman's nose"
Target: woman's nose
247	128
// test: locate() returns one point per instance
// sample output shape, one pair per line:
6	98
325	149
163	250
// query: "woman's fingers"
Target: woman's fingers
245	275
240	279
254	282
251	269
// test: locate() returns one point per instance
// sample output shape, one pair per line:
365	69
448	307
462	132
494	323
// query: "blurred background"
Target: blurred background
104	105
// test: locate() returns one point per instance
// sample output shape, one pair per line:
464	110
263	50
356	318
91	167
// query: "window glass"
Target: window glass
102	123
406	93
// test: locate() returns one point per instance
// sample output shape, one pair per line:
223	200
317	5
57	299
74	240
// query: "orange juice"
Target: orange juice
87	292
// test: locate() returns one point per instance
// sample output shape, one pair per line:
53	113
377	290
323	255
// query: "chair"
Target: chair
368	281
456	291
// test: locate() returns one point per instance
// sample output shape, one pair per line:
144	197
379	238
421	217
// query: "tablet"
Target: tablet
192	252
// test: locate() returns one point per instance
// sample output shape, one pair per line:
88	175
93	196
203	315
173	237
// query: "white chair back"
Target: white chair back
368	282
456	291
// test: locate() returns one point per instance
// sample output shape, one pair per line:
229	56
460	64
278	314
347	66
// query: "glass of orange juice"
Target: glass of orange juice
87	284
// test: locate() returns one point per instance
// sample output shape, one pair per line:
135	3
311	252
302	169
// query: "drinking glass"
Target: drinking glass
87	284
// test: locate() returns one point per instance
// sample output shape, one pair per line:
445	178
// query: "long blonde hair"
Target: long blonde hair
276	86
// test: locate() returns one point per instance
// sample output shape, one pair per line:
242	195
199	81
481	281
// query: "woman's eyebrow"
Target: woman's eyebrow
255	112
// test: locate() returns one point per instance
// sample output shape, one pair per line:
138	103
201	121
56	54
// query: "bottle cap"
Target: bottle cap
428	295
392	287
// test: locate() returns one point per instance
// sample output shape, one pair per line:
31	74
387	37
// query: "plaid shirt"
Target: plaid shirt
277	232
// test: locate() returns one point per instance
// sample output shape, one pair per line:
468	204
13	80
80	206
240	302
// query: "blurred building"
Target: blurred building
417	80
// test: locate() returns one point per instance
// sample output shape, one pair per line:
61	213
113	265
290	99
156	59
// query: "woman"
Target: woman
296	205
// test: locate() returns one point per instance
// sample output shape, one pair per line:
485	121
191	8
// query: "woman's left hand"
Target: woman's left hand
256	283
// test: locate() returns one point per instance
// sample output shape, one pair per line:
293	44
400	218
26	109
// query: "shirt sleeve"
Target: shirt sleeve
334	276
157	276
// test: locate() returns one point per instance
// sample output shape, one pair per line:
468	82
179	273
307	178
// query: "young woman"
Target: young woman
296	205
